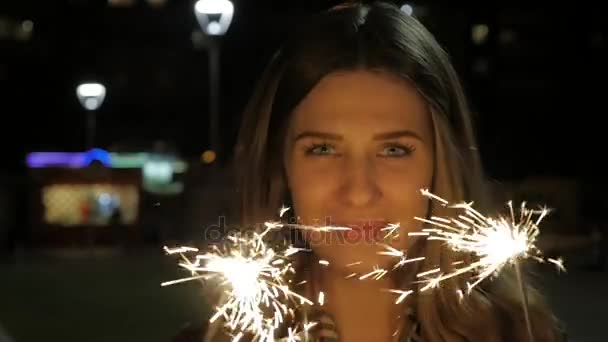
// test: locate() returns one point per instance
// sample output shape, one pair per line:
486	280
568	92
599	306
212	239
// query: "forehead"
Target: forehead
365	98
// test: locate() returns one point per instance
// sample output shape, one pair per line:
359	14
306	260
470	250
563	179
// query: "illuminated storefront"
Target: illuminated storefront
89	195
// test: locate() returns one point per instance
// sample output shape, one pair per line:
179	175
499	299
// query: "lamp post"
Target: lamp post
214	18
91	96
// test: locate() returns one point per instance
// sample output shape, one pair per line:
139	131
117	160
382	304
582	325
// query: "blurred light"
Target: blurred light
208	157
67	159
84	159
24	30
479	33
91	95
91	103
213	6
27	26
407	9
158	172
105	199
158	177
128	160
207	12
98	154
214	28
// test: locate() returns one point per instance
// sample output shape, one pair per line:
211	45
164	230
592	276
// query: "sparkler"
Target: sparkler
256	280
496	242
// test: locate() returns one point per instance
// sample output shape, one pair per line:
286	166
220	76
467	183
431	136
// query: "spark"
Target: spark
392	228
180	250
254	278
418	234
422	274
377	273
354	264
495	242
559	263
402	295
401	255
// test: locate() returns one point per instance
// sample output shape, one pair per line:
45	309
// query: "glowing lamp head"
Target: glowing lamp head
91	95
214	16
407	9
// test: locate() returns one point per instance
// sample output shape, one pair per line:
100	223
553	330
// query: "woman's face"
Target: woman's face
360	148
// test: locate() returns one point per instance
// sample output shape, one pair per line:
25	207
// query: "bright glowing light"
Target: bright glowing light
84	159
67	159
407	9
91	89
213	6
255	278
208	157
91	95
158	171
479	33
495	242
214	16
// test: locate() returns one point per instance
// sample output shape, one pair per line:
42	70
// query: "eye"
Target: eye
320	149
397	150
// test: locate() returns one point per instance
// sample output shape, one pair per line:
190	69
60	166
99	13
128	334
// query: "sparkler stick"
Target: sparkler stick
524	294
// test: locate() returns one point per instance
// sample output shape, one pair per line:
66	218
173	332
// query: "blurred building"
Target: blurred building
100	197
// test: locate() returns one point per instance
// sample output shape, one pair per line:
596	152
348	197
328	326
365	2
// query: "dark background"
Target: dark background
536	85
532	84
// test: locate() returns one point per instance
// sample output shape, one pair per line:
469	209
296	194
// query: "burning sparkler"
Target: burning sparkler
256	278
495	242
256	281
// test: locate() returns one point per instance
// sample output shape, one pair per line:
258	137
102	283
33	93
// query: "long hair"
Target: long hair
379	37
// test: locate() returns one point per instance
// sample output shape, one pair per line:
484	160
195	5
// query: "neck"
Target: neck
363	309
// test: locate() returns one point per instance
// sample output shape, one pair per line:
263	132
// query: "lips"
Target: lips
362	231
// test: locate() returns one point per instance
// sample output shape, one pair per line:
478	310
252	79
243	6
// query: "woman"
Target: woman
358	111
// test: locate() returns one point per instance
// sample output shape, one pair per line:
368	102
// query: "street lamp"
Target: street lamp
91	96
407	9
214	18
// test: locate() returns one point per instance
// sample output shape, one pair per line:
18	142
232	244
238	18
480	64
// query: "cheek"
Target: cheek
311	186
401	191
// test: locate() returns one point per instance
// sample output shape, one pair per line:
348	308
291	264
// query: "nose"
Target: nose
359	186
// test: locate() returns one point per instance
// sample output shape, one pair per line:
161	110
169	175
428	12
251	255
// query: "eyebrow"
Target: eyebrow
380	136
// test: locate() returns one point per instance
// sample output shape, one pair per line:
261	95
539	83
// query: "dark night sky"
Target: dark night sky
530	83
